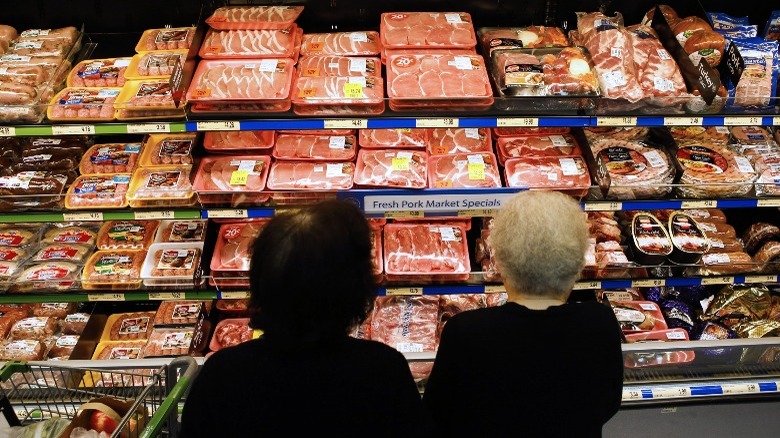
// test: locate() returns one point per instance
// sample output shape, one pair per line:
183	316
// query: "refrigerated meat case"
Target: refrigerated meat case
719	384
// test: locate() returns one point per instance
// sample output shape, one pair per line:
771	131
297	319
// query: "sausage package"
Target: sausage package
133	326
179	341
113	350
126	234
83	104
110	158
178	231
113	269
639	316
167	149
67	233
166	39
172	264
161	187
180	313
155	64
98	191
44	276
99	73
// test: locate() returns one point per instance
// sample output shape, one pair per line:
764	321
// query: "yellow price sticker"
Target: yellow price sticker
239	178
400	163
476	171
353	90
256	333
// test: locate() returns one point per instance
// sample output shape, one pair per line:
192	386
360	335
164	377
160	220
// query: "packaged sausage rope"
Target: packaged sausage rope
113	269
180	313
173	264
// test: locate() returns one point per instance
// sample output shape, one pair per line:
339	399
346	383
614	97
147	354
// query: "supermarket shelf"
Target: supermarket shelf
380	122
676	281
96	216
682	391
84	296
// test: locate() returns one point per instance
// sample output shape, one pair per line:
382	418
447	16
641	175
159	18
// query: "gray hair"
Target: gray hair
540	239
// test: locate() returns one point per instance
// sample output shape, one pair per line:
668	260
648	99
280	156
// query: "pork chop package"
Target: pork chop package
445	141
341	44
424	252
230	262
391	168
656	358
567	174
234	180
438	30
309	176
249	44
226	142
710	170
757	85
632	169
536	146
463	171
332	65
315	147
402	138
332	95
254	17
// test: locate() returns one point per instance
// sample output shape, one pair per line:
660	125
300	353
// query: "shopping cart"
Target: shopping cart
38	391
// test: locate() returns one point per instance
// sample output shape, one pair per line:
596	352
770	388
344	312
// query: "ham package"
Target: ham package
424	252
758	82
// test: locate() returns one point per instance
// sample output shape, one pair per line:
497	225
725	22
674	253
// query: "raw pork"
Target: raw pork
246	44
393	138
234	141
315	147
566	174
253	17
219	174
442	141
451	305
464	170
234	245
422	249
437	76
331	90
304	175
537	146
452	30
320	66
341	44
237	80
391	168
657	71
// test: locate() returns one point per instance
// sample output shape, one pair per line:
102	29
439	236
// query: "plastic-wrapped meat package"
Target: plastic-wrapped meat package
265	82
98	191
164	149
767	168
537	146
126	234
113	269
391	168
445	141
331	65
161	186
657	72
172	264
339	95
32	190
177	231
711	134
99	73
497	38
641	360
407	324
604	228
544	72
56	276
632	169
249	44
235	179
166	39
230	332
516	132
463	170
376	244
238	141
22	350
110	158
565	174
451	305
724	263
253	17
610	47
425	252
616	133
182	341
758	82
753	141
147	98
35	327
230	262
393	138
315	147
341	44
446	30
711	170
83	104
156	64
306	175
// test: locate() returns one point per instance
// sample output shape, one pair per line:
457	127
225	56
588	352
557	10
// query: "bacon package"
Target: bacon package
393	138
99	73
98	191
713	171
463	171
110	158
341	44
306	175
249	44
232	179
565	174
254	17
418	252
166	39
391	168
536	146
632	169
239	141
445	141
414	30
352	95
331	65
113	269
315	147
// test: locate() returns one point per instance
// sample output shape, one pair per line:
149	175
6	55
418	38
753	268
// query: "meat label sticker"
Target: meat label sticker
357	65
308	92
186	311
186	231
463	63
31	324
338	142
127	232
67	341
213	50
663	54
663	84
716	259
569	167
453	18
353	90
172	36
702	159
312	72
743	164
409	347
239	178
476	171
552	177
201	92
559	141
613	79
177	259
114	264
131	326
164	180
722	130
316	46
448	234
334	170
473	133
475	159
358	37
177	340
268	65
400	163
616	52
121	353
676	336
646	306
654	159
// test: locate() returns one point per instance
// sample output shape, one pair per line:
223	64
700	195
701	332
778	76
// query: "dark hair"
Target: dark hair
311	273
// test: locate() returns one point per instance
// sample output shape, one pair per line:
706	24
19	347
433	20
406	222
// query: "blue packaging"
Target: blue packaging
732	27
758	82
772	29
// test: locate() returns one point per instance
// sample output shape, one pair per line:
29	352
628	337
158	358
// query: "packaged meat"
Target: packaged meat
36	327
239	141
232	306
409	325
739	303
711	170
516	132
98	191
351	95
616	133
639	316
713	134
751	135
263	82
411	30
537	146
166	149
689	241
45	159
8	272
63	347
63	252
767	167
22	350
341	44
113	269
315	147
391	168
10	254
657	358
237	180
155	65
178	231
172	264
725	263
249	44
179	313
463	171
76	144
498	38
7	35
758	82
126	234
724	245
445	141
83	104
318	131
330	65
74	323
230	332
768	257
376	246
656	70
161	187
8	318
128	326
234	243
632	169
720	230
309	176
119	350
544	72
99	73
110	158
650	240
17	237
759	233
403	138
425	251
174	342
565	174
143	94
47	276
254	17
166	39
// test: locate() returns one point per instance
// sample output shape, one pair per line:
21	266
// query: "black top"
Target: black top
511	371
341	387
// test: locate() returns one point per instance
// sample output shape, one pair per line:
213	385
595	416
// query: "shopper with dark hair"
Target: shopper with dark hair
535	366
311	281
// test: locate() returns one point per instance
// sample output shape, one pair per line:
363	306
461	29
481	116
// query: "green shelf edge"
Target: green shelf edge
83	297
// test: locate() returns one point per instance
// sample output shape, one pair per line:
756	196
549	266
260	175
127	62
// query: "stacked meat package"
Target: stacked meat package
230	261
40	331
163	176
249	57
33	66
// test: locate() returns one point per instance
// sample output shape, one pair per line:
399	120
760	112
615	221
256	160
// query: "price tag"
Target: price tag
477	212
106	297
584	285
201	92
400	163
603	206
682	121
213	50
648	283
234	295
404	214
476	171
443	184
72	129
151	215
740	388
511	122
256	333
227	214
316	46
269	65
403	291
742	121
717	280
162	296
353	90
147	128
239	178
495	289
700	204
307	92
615	121
671	392
310	72
632	394
346	124
771	202
761	279
80	217
437	123
227	125
7	131
776	121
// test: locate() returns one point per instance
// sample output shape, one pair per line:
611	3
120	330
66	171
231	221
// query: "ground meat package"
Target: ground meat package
230	332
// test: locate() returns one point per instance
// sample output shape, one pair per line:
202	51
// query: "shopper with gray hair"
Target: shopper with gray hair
537	366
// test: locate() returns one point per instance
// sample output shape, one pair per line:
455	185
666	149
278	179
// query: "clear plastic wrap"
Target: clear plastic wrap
249	44
254	17
463	171
422	251
632	169
332	65
445	141
309	176
391	168
154	65
565	174
414	30
713	171
341	44
315	147
161	187
235	179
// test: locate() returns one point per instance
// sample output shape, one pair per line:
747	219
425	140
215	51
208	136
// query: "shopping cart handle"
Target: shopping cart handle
190	367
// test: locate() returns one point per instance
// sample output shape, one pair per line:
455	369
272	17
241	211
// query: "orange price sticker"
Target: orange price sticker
213	50
444	184
200	92
311	72
316	47
439	149
307	92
